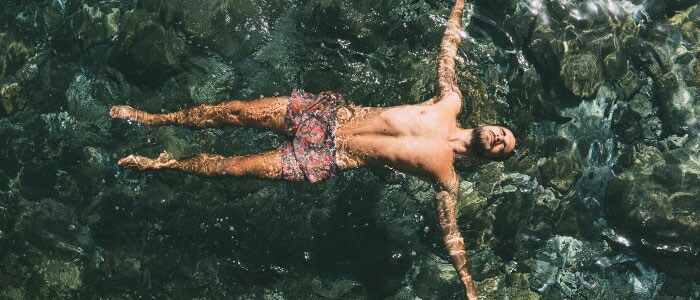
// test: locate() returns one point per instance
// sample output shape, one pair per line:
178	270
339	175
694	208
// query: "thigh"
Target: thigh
265	165
264	112
347	161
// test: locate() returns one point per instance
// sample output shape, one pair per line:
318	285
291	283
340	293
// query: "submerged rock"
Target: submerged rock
436	279
90	94
95	24
11	98
51	225
687	21
209	79
697	73
656	201
61	276
313	287
559	172
12	294
555	266
146	51
14	53
581	74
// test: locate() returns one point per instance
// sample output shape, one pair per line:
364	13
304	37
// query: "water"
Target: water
600	202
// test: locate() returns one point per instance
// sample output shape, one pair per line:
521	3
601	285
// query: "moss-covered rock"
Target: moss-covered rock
687	20
61	276
14	53
11	98
97	23
581	74
560	172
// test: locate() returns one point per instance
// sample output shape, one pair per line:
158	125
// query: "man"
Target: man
327	136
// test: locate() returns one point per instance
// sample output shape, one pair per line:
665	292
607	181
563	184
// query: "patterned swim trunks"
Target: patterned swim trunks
310	123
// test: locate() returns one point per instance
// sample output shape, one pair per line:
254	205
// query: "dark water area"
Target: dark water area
602	200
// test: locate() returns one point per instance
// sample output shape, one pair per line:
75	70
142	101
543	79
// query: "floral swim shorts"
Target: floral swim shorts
310	123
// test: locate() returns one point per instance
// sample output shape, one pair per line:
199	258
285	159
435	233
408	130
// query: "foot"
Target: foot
129	113
143	163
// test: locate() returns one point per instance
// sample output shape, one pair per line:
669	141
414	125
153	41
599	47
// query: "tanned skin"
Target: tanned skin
418	139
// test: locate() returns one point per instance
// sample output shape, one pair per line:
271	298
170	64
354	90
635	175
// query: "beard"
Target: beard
478	144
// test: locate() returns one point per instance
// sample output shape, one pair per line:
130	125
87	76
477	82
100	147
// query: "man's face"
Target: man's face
492	141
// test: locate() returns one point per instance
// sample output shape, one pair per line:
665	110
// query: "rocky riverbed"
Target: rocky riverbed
602	200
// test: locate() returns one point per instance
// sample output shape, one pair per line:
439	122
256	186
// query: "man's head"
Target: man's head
492	142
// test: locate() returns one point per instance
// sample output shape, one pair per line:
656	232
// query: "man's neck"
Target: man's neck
459	141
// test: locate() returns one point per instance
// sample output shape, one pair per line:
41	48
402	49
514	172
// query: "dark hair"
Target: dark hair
479	153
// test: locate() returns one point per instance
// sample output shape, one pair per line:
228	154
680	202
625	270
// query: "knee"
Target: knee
235	107
208	164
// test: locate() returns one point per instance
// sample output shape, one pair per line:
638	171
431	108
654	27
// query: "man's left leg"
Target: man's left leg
266	165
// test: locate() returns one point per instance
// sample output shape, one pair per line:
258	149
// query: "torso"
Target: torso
410	138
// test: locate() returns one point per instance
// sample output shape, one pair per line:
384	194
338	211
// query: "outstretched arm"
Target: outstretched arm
446	200
447	80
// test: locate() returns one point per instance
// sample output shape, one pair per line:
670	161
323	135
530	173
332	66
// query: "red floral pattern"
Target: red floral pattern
310	123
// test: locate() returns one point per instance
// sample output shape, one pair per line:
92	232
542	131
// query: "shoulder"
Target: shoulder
451	103
446	181
441	169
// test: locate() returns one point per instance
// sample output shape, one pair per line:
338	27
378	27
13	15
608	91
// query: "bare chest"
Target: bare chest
410	139
403	121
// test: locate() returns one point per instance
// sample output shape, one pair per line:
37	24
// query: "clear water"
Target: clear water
600	202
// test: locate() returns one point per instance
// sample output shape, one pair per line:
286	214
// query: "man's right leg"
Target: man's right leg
263	113
266	165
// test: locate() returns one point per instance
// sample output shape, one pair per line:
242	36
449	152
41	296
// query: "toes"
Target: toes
127	161
127	113
119	112
165	156
114	111
132	161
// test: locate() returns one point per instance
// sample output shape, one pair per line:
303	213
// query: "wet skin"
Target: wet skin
418	139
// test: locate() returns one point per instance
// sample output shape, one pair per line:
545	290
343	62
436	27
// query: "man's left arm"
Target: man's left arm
445	200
